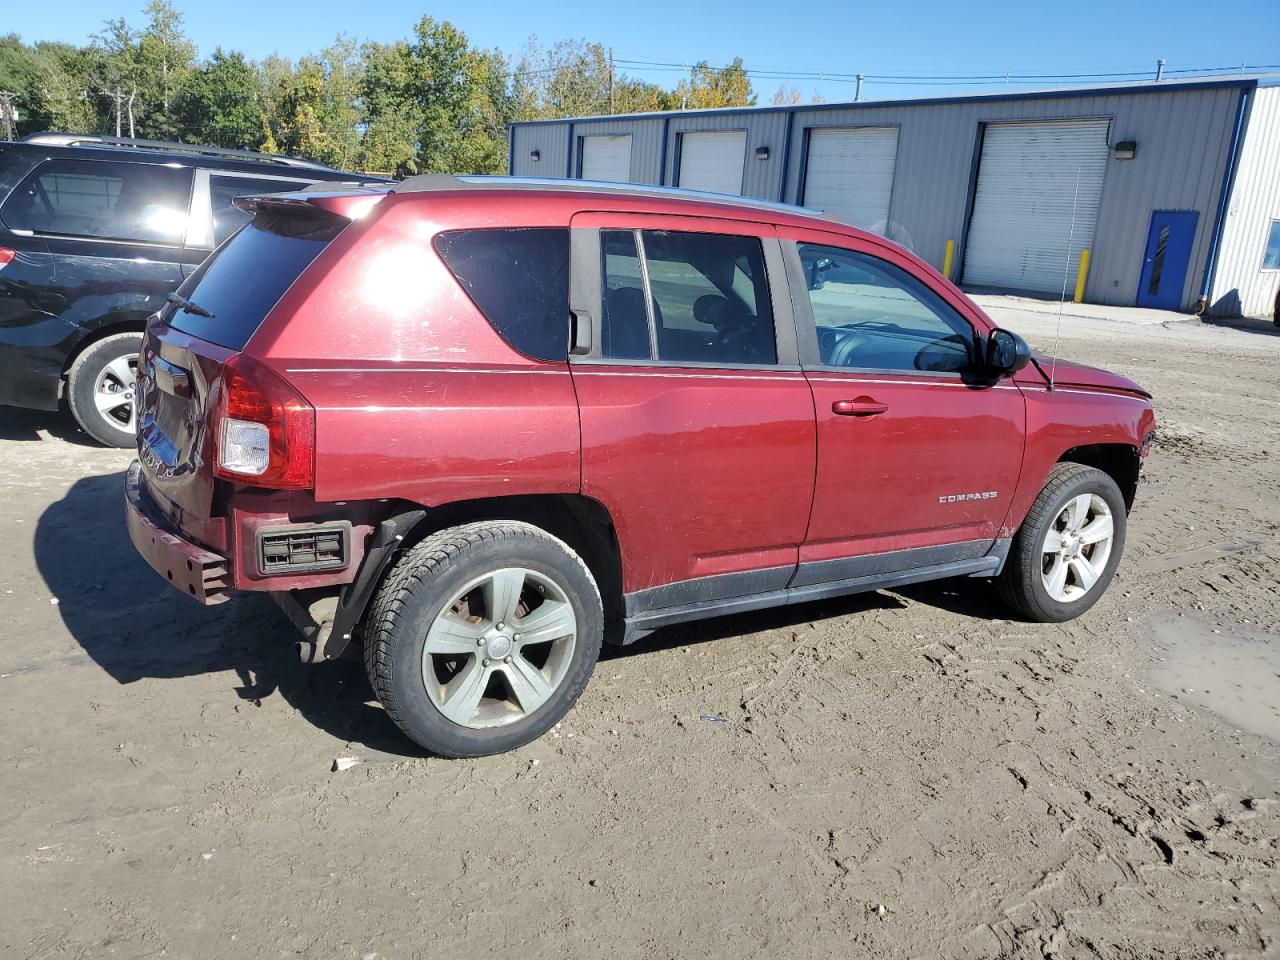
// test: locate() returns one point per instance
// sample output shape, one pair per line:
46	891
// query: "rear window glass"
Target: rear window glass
103	199
245	278
519	279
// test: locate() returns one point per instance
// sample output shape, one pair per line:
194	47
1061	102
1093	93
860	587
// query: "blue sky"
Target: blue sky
921	38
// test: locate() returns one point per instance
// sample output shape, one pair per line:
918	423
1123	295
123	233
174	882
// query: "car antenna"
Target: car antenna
1066	272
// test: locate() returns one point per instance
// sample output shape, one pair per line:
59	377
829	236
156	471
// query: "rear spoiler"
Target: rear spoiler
349	204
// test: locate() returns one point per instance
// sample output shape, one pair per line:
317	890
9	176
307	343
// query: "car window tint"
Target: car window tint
871	314
103	199
710	298
242	280
519	279
227	217
624	325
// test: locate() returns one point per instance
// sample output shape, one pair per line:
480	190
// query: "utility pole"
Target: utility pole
8	115
611	80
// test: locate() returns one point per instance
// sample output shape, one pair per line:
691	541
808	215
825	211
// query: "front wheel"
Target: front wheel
482	637
1068	548
101	389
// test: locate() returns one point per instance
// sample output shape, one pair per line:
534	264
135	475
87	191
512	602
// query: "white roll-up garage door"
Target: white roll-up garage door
713	161
607	158
1038	193
849	172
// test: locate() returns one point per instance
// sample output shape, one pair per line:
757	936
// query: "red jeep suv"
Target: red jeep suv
474	427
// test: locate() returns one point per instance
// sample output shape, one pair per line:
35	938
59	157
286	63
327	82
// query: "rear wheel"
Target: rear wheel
101	389
1069	546
482	637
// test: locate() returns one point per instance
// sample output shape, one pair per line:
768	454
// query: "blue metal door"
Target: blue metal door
1164	271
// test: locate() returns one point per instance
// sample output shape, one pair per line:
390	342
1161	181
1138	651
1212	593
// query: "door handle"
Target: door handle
861	407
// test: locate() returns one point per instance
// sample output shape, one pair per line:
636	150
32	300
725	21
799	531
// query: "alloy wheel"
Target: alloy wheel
499	648
1077	547
114	392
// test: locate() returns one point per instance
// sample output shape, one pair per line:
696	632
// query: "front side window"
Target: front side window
143	202
873	315
1271	259
708	298
227	217
519	280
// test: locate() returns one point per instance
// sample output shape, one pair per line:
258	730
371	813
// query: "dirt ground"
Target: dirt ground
899	774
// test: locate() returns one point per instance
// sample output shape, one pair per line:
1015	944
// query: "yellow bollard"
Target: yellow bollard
946	262
1080	276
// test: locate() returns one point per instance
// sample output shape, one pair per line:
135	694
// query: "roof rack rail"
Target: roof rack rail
172	146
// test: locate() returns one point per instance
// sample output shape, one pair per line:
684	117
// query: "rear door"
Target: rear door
918	456
697	424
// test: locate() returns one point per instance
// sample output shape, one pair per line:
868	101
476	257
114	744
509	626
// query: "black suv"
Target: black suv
95	232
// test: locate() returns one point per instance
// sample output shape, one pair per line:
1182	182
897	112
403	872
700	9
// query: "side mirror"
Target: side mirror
1007	353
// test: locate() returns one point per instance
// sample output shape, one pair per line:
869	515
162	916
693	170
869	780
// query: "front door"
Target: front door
1164	268
918	456
697	423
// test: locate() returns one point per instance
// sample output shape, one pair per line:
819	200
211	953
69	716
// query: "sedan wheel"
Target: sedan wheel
102	392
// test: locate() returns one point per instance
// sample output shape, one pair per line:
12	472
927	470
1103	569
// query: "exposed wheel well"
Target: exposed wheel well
581	522
1120	461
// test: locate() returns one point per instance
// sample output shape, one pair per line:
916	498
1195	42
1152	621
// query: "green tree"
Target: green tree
220	103
708	87
434	105
118	74
164	57
65	97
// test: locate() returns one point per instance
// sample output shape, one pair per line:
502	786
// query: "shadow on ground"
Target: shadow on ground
1265	328
19	424
134	625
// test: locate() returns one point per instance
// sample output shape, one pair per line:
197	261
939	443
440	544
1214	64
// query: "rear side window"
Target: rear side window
708	298
519	280
142	202
228	218
243	280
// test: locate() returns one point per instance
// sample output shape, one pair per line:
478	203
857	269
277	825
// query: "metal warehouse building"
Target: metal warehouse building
1155	194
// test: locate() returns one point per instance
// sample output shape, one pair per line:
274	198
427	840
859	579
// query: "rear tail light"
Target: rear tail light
6	256
264	431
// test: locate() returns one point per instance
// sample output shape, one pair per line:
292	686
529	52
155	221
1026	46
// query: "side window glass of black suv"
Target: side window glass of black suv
103	199
708	298
227	217
873	315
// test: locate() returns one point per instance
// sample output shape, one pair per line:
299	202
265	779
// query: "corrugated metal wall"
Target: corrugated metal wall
1183	136
1240	285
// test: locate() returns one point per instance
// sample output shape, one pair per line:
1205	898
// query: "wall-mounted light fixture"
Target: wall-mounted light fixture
762	153
535	154
1126	149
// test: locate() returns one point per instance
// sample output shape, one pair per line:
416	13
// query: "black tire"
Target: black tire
1021	584
414	594
87	371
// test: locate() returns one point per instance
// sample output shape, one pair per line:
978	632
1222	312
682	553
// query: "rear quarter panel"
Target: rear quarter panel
417	397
